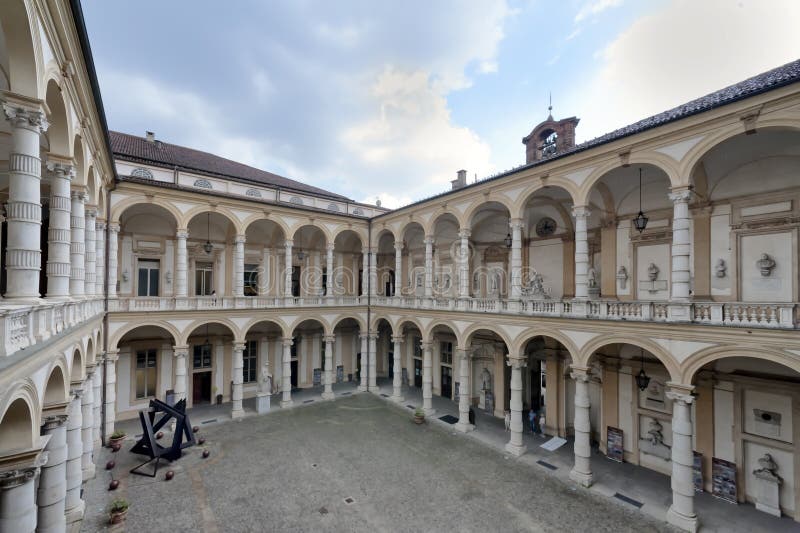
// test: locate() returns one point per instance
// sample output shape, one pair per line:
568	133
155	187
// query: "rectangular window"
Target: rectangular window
203	279
145	373
202	356
417	347
250	358
446	353
251	280
148	277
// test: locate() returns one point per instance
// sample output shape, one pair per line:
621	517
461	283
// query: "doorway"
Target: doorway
294	374
536	385
201	388
447	382
418	373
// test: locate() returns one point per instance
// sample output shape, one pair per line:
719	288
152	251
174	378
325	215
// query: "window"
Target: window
446	353
254	193
417	347
333	207
251	280
142	173
204	184
203	279
296	200
145	373
148	277
250	357
202	356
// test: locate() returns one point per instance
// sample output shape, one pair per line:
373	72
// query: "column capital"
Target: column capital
239	346
680	194
100	225
182	234
113	227
463	352
398	339
581	211
330	247
239	239
516	223
60	167
14	478
516	363
76	390
79	195
23	112
429	240
426	344
580	373
53	421
678	392
288	243
287	341
180	351
91	212
111	355
329	338
398	246
464	233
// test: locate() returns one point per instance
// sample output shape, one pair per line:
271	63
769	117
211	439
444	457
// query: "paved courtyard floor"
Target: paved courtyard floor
295	469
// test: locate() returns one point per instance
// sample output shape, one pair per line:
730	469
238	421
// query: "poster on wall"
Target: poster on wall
339	374
697	472
615	449
723	479
317	377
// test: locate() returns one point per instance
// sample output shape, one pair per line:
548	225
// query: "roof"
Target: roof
139	149
767	81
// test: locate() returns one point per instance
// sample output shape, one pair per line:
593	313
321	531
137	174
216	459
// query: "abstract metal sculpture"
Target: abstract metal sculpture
148	446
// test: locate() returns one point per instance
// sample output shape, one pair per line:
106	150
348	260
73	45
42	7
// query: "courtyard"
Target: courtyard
357	464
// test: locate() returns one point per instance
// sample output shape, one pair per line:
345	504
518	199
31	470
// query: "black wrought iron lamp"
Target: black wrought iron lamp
642	379
208	246
508	241
640	222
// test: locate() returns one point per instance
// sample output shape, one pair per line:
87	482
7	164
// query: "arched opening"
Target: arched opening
491	239
55	391
147	250
347	261
491	376
17	428
445	363
347	351
412	346
263	268
308	353
414	266
308	259
18	73
446	256
546	385
384	355
387	275
624	262
77	374
262	358
145	368
210	365
208	252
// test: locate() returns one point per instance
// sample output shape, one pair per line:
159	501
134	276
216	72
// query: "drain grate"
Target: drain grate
450	419
314	465
547	465
346	394
384	395
410	406
349	501
209	421
625	499
323	510
308	401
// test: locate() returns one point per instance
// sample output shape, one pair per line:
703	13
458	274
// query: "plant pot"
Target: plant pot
118	441
118	517
219	399
419	419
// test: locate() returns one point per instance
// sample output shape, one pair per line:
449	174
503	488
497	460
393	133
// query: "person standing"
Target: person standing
532	420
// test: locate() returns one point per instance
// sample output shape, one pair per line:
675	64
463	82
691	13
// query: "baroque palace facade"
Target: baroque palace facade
134	269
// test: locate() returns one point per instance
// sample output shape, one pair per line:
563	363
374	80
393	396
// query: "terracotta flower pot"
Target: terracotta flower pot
118	517
118	441
110	465
169	475
419	419
206	453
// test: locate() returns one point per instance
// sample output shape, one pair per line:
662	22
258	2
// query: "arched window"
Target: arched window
142	173
358	211
204	184
296	200
254	193
333	207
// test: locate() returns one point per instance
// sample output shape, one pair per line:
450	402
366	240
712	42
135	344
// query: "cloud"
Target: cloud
595	8
682	51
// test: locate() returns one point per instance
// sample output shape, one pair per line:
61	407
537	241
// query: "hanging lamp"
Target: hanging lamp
208	246
640	222
642	379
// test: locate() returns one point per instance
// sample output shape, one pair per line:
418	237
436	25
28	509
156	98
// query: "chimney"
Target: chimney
151	137
460	181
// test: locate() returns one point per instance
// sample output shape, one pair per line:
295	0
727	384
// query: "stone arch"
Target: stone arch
222	321
378	235
470	332
258	320
528	335
258	217
402	321
310	224
661	161
219	210
341	318
696	361
472	210
56	387
19	423
518	208
78	369
443	212
81	165
59	138
644	343
90	351
362	238
326	329
444	323
24	54
116	336
118	210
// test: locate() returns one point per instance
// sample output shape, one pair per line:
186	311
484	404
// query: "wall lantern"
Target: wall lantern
642	379
301	255
640	222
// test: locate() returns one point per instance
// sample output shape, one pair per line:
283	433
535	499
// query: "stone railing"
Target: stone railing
23	326
775	315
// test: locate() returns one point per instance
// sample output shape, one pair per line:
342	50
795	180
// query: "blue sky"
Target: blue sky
389	99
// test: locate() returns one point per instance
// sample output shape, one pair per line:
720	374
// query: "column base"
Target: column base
362	388
375	390
516	450
328	395
88	472
680	520
397	399
75	514
429	411
465	427
238	413
584	479
262	403
286	403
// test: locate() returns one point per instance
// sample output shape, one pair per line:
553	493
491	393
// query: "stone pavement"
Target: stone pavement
294	469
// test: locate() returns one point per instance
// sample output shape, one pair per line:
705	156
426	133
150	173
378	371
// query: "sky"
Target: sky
379	99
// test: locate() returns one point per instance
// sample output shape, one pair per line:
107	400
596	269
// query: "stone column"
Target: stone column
327	394
238	265
286	400
100	257
427	378
59	234
113	230
397	378
515	445
681	513
329	277
238	379
91	252
181	353
364	364
581	214
464	389
364	270
18	500
110	369
463	266
74	505
52	490
398	269
516	258
429	267
24	208
582	471
181	265
679	309
97	385
373	271
264	281
87	426
373	362
77	249
287	275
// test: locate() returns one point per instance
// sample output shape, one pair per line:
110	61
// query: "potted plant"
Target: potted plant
419	416
116	438
118	511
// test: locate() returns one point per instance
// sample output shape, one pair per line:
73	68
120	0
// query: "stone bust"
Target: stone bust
652	272
765	265
266	379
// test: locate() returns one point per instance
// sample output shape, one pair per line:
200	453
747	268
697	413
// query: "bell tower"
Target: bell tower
550	137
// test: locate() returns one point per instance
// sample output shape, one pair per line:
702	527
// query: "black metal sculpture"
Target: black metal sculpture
148	446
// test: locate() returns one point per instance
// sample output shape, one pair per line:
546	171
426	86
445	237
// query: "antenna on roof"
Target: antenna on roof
550	107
